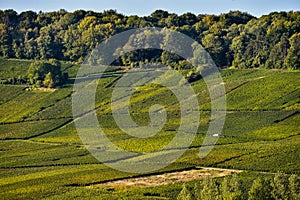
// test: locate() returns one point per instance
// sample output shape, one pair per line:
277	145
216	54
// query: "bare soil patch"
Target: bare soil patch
171	177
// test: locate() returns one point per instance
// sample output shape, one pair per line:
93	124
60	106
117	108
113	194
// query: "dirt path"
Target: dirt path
171	177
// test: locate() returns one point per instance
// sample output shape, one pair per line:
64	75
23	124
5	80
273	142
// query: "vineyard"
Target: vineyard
42	156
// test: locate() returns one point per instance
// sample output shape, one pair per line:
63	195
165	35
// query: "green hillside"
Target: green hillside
41	155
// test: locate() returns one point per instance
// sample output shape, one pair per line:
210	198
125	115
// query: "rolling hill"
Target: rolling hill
42	156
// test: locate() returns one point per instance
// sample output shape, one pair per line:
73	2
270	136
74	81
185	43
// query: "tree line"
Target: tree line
235	39
232	188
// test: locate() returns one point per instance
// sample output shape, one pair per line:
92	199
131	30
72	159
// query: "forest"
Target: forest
234	39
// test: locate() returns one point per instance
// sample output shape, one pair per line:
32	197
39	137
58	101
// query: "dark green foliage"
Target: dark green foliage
231	188
293	56
233	39
244	186
260	189
265	42
294	187
280	188
46	74
210	190
15	71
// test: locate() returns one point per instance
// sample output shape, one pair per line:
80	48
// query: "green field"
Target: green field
42	156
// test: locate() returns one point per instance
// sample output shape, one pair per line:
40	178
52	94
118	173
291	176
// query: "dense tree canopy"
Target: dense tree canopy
279	187
233	39
46	74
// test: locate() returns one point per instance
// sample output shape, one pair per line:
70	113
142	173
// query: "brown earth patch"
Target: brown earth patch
170	178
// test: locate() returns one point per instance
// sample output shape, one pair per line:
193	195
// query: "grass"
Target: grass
42	156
